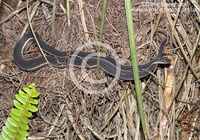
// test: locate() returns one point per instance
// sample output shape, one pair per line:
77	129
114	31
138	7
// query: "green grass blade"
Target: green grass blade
54	12
134	61
68	14
101	31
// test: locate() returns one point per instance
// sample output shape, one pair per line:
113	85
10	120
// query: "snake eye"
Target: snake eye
166	60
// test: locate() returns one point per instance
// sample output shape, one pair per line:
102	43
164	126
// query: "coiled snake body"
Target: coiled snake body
59	58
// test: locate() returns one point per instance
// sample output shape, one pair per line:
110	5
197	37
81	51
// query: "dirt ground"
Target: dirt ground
67	110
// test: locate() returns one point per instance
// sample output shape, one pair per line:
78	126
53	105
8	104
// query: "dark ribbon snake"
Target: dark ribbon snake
60	58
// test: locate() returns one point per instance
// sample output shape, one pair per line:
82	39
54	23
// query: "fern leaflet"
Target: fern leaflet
16	125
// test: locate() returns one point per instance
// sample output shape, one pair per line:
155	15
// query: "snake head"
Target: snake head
164	60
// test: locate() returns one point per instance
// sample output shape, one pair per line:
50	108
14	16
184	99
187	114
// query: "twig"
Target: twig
15	12
71	118
94	132
47	2
177	39
185	72
56	120
83	21
31	17
112	114
36	38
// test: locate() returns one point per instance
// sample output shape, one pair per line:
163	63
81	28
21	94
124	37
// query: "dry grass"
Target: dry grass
66	112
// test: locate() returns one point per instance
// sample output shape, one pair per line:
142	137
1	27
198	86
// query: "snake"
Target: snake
60	58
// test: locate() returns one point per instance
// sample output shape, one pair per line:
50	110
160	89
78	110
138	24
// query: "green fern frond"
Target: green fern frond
16	125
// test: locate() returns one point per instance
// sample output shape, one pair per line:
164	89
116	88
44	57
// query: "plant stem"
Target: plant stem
134	62
101	32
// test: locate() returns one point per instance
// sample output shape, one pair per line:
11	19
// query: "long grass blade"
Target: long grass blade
101	32
54	12
68	14
134	61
